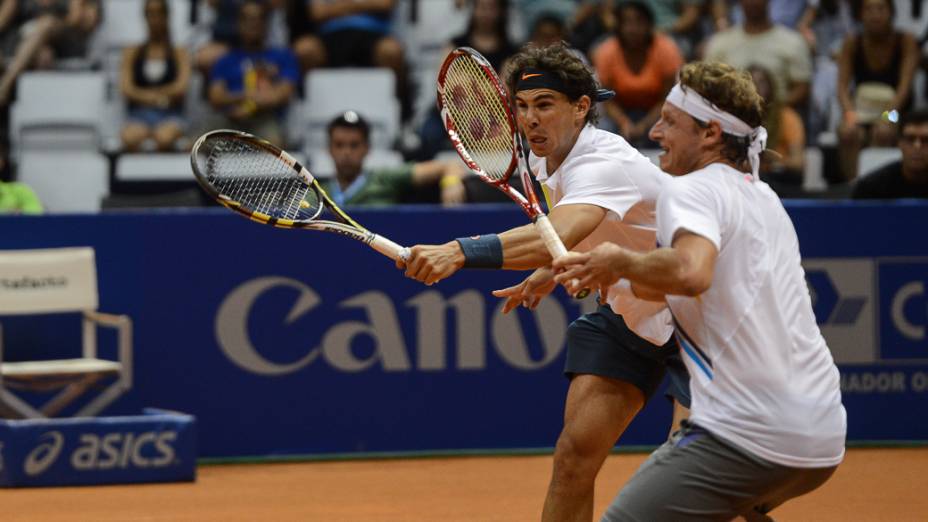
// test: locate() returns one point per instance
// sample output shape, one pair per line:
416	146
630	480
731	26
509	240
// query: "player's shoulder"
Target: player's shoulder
708	181
613	148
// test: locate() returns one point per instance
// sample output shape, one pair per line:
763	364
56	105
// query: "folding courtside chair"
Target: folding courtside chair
53	281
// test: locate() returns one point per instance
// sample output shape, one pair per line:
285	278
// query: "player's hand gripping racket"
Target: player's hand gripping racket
479	121
258	180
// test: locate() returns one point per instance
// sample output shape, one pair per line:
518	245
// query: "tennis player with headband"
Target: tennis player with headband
767	423
602	189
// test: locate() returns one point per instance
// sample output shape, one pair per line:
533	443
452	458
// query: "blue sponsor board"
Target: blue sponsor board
158	446
297	342
904	309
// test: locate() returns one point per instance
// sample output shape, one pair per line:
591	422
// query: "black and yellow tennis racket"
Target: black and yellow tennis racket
265	184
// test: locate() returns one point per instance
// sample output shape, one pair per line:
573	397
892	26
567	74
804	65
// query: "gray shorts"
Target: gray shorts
696	476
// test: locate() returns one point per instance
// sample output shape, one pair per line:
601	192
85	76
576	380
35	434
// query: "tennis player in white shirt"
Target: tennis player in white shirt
602	188
766	422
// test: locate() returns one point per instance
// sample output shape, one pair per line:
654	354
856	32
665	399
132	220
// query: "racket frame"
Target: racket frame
529	201
346	226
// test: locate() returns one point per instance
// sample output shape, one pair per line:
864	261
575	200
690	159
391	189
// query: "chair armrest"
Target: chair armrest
123	325
108	320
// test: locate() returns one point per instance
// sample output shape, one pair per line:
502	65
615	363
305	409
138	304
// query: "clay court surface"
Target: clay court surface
871	485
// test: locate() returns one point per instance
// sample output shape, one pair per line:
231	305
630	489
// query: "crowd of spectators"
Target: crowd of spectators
834	73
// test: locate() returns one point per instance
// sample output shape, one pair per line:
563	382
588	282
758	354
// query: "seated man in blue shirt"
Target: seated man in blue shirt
252	84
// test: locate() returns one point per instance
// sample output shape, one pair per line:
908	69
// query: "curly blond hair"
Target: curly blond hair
731	90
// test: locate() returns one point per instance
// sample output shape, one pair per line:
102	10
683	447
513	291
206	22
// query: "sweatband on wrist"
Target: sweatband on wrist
484	251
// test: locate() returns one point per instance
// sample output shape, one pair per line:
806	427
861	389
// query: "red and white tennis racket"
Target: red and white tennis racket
479	120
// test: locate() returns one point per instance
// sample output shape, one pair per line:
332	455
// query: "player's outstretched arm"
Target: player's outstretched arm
520	248
684	269
529	292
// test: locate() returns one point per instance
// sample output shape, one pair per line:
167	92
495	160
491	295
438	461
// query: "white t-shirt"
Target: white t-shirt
779	49
761	375
602	169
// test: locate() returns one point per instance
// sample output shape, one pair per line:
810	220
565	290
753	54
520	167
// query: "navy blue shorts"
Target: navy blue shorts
600	343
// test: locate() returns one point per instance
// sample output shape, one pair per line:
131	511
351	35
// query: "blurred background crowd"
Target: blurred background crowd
101	99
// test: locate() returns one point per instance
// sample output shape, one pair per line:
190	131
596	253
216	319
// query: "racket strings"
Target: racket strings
479	116
258	179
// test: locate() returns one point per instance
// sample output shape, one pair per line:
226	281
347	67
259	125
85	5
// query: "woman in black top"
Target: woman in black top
154	81
487	32
875	72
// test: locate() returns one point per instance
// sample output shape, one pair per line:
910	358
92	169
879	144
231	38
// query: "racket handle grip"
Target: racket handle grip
554	245
388	248
552	241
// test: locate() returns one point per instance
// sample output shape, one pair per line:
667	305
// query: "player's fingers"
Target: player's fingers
508	291
424	274
587	281
532	302
603	294
511	304
570	258
418	270
433	277
568	274
413	262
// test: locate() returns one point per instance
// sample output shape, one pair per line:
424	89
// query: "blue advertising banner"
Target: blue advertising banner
299	342
158	446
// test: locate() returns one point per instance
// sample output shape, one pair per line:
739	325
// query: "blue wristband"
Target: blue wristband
482	251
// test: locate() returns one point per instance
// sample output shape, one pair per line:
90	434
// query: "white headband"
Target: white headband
692	103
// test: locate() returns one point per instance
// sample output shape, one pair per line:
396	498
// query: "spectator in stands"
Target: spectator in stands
33	28
640	64
824	26
18	198
547	29
487	32
679	19
593	22
907	178
353	185
252	85
225	31
779	49
307	46
782	12
72	40
154	80
875	72
786	136
355	33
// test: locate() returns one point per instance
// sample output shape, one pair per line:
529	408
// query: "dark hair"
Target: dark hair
260	3
166	5
916	117
502	23
548	17
857	9
643	9
731	90
350	120
559	59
